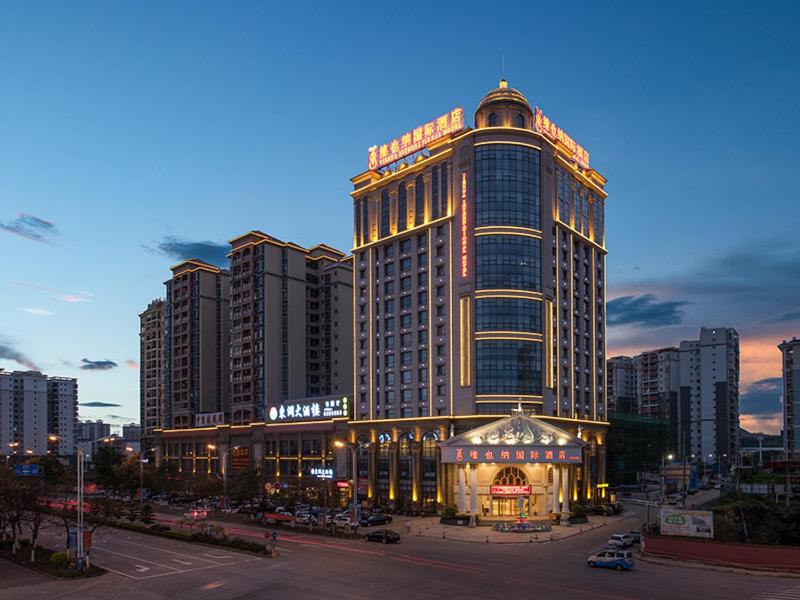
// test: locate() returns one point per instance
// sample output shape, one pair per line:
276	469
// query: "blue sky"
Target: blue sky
131	131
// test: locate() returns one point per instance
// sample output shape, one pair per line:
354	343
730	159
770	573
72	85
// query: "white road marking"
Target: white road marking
135	558
141	569
183	562
158	549
792	593
216	555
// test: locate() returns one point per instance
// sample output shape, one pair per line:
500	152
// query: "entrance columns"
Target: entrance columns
462	484
564	489
556	485
473	489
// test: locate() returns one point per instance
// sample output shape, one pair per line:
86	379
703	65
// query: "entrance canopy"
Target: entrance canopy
516	439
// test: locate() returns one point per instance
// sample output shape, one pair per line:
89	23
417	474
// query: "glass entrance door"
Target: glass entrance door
509	506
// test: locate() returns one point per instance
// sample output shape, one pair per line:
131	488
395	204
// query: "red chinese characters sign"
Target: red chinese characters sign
416	139
464	228
510	490
549	129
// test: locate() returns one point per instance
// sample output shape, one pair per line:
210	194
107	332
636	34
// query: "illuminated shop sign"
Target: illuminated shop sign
511	454
209	419
342	484
416	139
549	129
322	472
510	490
311	410
464	228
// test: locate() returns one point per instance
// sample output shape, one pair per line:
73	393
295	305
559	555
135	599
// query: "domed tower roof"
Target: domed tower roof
505	103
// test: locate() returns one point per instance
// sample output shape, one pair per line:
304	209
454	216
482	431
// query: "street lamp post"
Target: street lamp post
352	448
142	460
224	468
663	476
80	467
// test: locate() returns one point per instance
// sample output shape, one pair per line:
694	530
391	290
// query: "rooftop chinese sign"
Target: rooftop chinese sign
542	124
316	409
416	139
511	454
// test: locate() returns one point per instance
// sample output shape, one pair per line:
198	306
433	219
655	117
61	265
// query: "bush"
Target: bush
59	559
449	511
577	510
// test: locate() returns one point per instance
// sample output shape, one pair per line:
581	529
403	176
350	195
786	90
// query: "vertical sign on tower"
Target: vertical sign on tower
464	228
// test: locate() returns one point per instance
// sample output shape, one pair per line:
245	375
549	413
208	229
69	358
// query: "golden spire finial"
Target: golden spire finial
503	83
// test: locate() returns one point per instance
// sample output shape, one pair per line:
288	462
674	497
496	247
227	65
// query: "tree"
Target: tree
105	460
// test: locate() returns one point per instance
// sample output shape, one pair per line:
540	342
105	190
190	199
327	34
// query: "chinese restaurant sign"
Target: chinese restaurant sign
549	129
310	410
416	139
510	490
511	454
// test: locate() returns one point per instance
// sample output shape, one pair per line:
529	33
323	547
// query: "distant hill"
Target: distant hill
749	439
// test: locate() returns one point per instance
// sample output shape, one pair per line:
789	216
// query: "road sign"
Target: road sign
26	470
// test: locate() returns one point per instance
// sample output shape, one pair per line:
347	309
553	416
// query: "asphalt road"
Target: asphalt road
310	567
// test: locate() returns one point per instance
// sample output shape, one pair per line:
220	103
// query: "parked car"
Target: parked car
636	536
620	540
374	519
385	536
621	560
342	520
604	510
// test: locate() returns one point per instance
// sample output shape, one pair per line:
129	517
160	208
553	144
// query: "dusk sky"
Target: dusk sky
133	135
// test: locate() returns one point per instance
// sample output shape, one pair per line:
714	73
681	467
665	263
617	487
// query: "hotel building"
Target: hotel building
790	351
479	266
151	368
196	342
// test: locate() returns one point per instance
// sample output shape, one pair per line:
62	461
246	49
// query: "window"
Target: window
422	298
423	375
405	283
405	339
405	321
508	262
401	208
492	120
422	260
422	279
435	193
507	188
385	206
389	324
388	288
508	367
389	342
419	201
520	120
405	302
405	377
423	355
388	306
405	245
440	350
405	264
423	394
405	359
388	251
406	396
390	378
508	314
422	240
388	271
440	390
389	361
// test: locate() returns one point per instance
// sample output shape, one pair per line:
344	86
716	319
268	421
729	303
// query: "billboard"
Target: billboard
311	409
691	523
209	419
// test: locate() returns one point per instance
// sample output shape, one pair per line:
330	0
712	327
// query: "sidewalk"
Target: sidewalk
694	564
431	528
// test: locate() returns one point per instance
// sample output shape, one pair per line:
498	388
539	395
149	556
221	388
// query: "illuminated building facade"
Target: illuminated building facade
151	368
479	280
196	342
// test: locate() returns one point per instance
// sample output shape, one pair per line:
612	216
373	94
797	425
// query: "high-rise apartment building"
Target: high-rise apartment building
33	405
196	343
790	351
131	432
621	388
480	288
708	406
151	368
93	430
657	382
291	324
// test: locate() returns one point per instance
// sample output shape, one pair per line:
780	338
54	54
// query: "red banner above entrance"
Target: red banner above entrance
510	490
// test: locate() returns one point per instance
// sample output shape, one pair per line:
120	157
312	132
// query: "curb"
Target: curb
521	542
704	566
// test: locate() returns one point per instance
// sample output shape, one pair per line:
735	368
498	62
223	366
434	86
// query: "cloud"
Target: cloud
121	418
99	404
38	312
767	423
181	249
30	227
97	365
785	317
644	311
72	298
762	397
132	364
10	353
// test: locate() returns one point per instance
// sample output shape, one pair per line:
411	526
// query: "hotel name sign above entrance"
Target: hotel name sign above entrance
511	454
